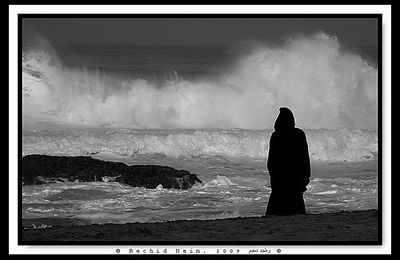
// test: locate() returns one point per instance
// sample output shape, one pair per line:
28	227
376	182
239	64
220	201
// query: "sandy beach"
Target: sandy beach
354	226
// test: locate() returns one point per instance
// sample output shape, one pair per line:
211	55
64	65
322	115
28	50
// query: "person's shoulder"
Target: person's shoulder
299	132
274	134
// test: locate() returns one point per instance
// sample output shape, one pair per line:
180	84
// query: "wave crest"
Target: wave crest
324	144
311	75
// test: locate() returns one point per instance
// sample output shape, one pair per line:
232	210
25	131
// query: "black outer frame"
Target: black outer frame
201	243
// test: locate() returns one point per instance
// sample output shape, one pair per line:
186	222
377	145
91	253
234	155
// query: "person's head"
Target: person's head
285	119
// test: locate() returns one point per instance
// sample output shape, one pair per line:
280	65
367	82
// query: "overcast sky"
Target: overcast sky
188	31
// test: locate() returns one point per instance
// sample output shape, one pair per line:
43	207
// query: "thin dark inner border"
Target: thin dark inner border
186	16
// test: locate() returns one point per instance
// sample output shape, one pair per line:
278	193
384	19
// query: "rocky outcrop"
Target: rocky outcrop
39	169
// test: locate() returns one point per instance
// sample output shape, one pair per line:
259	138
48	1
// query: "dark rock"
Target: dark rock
40	169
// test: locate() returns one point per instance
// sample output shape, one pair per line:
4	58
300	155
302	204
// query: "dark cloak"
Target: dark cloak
288	165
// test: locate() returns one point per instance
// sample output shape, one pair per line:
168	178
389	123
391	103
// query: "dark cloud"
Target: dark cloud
189	31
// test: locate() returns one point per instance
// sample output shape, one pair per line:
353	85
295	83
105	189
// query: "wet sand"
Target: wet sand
354	226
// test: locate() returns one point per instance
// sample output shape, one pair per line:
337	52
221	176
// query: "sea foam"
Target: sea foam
323	85
324	144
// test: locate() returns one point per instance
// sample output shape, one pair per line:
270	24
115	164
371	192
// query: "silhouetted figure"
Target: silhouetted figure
288	165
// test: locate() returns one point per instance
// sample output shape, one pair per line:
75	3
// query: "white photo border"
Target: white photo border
14	10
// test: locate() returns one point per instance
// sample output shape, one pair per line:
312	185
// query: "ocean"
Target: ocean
206	109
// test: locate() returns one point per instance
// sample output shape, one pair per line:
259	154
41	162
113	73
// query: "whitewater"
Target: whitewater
185	111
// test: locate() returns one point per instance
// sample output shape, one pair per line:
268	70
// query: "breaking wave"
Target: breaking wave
324	86
324	144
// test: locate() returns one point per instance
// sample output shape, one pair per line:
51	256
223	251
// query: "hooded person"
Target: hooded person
288	165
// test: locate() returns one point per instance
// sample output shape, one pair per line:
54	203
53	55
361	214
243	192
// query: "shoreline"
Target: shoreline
344	226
